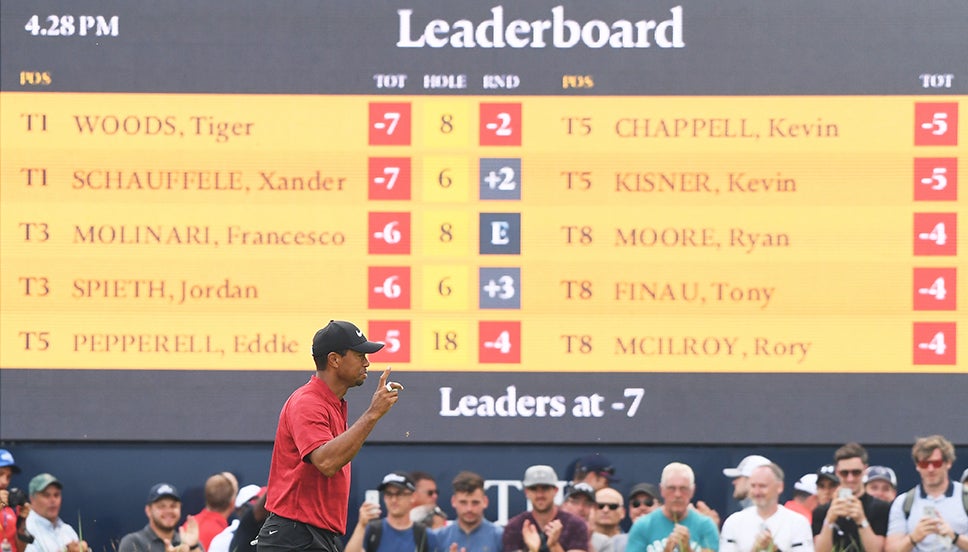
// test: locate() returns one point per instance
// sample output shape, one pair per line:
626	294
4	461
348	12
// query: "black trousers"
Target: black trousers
279	534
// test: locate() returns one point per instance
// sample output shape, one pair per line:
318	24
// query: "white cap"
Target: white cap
746	466
807	484
246	494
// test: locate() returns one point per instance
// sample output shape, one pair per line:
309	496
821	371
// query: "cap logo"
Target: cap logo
165	489
359	333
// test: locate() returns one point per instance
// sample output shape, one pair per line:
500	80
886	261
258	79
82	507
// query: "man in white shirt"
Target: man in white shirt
50	532
766	525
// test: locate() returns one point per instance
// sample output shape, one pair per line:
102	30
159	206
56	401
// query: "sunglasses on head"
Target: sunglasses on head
852	473
925	464
648	501
610	506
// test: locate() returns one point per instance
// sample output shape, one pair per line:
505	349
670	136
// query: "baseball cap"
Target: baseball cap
580	489
340	335
596	463
162	490
42	481
880	472
397	479
540	475
807	484
647	488
746	466
247	493
828	472
6	461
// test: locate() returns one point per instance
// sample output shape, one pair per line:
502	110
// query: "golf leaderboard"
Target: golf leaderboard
602	192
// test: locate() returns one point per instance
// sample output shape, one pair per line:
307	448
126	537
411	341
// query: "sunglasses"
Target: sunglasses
644	502
602	506
925	464
432	492
852	473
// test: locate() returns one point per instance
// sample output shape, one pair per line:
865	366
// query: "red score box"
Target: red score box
500	124
935	343
388	287
936	124
389	178
499	342
396	335
936	179
935	234
389	124
935	289
389	233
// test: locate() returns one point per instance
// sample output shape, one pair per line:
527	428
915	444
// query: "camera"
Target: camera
17	497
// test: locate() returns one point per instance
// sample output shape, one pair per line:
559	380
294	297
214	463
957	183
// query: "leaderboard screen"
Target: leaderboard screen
628	222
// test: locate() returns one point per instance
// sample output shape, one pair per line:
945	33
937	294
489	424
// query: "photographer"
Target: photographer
13	503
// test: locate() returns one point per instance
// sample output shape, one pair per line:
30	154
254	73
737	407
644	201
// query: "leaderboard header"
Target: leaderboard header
610	47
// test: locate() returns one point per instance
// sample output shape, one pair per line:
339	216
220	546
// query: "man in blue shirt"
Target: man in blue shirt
470	531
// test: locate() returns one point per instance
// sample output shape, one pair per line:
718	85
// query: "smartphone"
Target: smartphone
844	492
929	511
372	496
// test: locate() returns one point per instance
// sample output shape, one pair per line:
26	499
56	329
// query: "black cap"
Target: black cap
397	479
828	472
580	489
162	490
340	335
647	488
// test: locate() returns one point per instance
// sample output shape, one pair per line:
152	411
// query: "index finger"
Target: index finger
384	377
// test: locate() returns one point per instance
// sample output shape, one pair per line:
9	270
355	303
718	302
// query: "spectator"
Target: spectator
396	531
881	482
675	524
827	484
252	515
596	470
854	518
163	510
48	529
425	510
579	501
931	516
766	525
804	496
8	516
740	476
470	531
244	505
644	498
546	528
607	518
220	491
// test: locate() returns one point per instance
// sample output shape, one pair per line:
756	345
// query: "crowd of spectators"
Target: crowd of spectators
845	506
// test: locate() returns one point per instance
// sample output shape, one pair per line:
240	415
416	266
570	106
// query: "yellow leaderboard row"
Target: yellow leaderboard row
534	343
627	125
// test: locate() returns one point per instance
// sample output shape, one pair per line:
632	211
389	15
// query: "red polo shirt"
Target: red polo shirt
313	415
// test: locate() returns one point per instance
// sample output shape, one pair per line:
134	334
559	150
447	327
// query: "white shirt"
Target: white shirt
222	541
791	532
48	537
